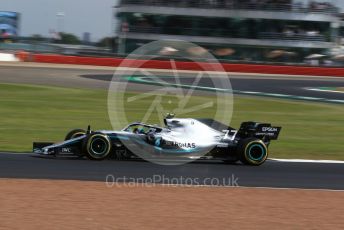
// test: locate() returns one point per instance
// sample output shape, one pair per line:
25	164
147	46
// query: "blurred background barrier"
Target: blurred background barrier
184	65
8	57
280	33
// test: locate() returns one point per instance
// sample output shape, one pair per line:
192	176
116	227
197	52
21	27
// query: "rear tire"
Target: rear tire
97	146
74	134
252	151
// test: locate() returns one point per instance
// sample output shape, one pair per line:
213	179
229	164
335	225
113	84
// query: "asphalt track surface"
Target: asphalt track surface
271	174
101	78
277	86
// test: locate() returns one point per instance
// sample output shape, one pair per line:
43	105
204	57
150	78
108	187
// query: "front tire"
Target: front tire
252	151
97	146
74	134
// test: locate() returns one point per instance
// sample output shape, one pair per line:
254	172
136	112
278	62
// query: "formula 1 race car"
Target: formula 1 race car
181	138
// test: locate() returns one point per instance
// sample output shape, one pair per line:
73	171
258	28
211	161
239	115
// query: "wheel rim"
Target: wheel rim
256	152
99	146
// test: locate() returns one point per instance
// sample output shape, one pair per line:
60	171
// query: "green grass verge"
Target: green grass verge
39	113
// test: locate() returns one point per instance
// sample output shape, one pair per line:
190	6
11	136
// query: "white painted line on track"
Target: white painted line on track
272	95
324	90
307	161
335	101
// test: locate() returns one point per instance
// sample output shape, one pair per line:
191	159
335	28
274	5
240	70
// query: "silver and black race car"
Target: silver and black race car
180	138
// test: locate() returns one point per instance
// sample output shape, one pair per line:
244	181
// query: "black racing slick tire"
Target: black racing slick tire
252	151
74	134
97	146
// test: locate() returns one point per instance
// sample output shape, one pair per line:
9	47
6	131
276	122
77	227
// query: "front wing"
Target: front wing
69	147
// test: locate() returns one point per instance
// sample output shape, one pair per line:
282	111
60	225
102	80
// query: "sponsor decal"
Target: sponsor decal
181	145
266	134
66	150
269	129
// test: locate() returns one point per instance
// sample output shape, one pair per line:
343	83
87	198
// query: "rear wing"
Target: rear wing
259	130
269	132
